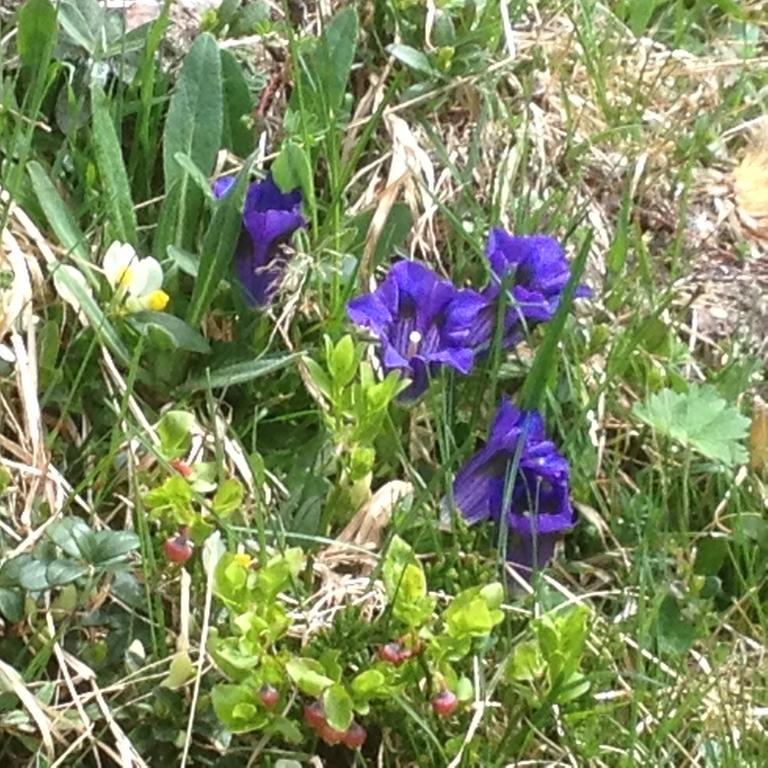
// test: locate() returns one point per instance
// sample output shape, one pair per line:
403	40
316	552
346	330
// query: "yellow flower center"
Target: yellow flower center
124	276
244	559
157	300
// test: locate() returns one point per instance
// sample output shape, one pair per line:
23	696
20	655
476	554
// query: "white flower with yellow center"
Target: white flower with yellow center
139	280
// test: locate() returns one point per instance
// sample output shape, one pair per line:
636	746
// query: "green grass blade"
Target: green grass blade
239	373
545	363
114	179
219	246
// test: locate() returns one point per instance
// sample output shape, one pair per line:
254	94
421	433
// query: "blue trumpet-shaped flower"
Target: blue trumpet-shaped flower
535	270
270	217
422	322
538	505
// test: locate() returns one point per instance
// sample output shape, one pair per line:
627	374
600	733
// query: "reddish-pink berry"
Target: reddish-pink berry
355	736
269	695
444	703
177	549
181	467
330	735
314	715
391	653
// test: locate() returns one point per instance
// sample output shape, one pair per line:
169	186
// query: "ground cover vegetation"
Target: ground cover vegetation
381	383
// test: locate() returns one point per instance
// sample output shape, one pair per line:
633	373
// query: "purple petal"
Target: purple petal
222	185
527	554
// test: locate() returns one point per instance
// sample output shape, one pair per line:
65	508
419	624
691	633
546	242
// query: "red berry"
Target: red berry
177	549
330	735
181	467
314	715
355	736
391	653
269	695
444	703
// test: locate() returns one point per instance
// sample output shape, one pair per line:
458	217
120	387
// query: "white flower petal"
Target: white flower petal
119	261
63	277
153	275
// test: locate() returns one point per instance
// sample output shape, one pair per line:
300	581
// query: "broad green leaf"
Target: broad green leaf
175	432
368	684
11	604
173	330
111	546
240	373
470	615
60	218
109	161
308	675
238	105
180	672
229	497
335	54
63	571
73	536
527	663
406	584
292	168
193	128
675	634
343	361
699	419
237	706
416	60
82	22
219	246
36	33
338	707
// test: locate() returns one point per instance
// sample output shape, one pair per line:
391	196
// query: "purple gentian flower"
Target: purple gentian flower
422	322
539	501
270	217
536	270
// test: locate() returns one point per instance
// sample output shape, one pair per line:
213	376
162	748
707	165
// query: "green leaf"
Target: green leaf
338	707
193	128
112	546
180	671
292	168
368	684
335	54
219	245
73	536
228	497
416	60
239	373
545	364
175	432
96	318
109	161
194	121
173	330
469	615
63	571
36	33
60	218
675	634
237	706
406	584
187	262
82	22
343	361
308	675
11	604
527	663
238	105
698	419
195	174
